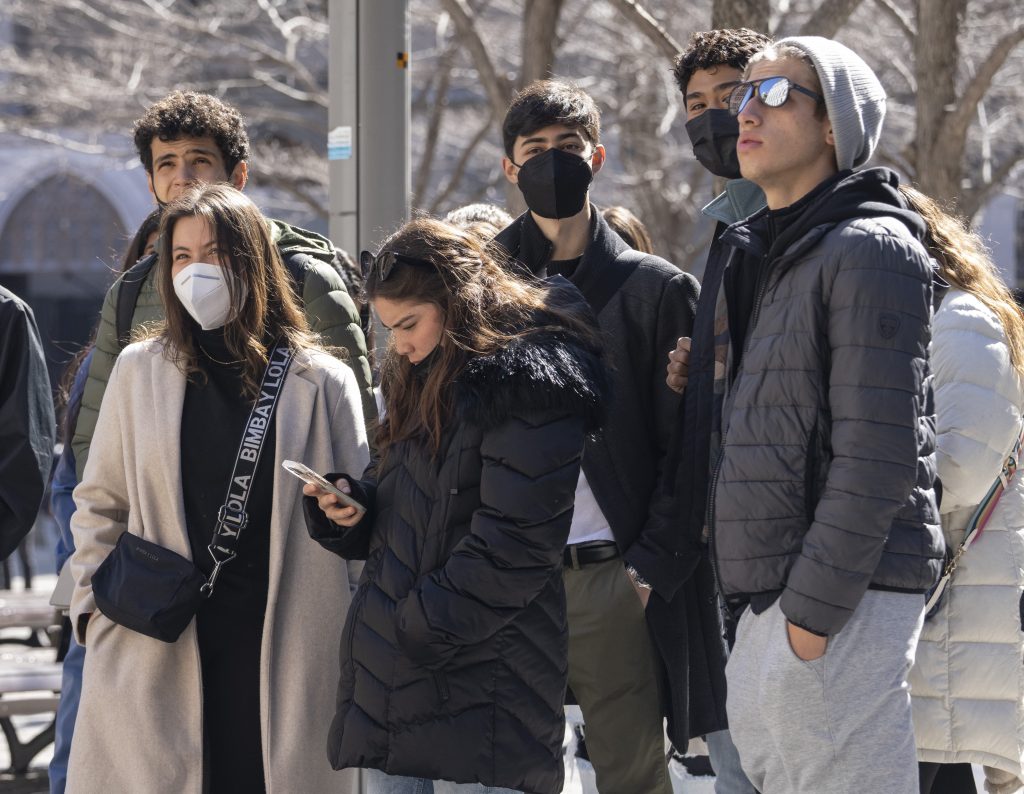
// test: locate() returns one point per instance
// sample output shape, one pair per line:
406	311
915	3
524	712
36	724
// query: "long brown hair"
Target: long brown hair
630	228
485	307
964	262
270	309
137	245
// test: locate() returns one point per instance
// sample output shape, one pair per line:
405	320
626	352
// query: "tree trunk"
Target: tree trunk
751	14
641	18
938	158
540	34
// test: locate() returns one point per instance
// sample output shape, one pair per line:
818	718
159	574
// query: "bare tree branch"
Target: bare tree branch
959	120
459	171
903	22
649	27
57	140
829	17
315	203
498	87
437	109
975	198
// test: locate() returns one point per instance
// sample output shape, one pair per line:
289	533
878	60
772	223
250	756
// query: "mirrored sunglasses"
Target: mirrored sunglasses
771	91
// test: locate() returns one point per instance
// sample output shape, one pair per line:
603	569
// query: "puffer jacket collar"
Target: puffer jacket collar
871	193
548	368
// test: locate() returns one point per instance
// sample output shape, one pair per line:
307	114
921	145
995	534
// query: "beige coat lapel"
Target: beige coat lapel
294	412
169	399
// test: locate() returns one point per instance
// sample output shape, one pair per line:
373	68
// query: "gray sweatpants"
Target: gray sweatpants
839	724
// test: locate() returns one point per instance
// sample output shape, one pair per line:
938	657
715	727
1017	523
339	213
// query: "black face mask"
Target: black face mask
555	183
714	134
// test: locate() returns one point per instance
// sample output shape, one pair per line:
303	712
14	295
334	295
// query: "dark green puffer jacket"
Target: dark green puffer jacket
329	308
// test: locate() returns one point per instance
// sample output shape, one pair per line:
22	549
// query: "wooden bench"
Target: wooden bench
28	610
30	679
28	685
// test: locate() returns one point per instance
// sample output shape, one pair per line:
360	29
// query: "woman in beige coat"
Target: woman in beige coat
243	699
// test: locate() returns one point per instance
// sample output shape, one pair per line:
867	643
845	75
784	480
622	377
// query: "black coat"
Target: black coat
454	655
643	305
26	421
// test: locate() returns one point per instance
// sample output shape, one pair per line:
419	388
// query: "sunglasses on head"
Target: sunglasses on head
772	91
385	261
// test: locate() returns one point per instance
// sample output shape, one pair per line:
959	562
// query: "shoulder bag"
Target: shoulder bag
150	589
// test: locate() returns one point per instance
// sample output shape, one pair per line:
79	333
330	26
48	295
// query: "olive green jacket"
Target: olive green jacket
329	308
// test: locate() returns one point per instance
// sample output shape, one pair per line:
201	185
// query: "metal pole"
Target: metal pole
368	120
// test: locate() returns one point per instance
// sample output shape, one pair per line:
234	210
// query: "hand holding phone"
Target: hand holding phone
307	475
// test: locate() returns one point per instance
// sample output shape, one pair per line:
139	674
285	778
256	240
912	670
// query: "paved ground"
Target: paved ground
14	654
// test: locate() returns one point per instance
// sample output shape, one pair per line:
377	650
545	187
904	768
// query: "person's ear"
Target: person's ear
598	158
511	170
830	137
240	175
149	184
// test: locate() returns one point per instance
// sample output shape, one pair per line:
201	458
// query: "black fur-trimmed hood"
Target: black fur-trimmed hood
540	371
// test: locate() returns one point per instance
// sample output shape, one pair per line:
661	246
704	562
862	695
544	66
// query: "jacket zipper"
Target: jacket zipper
353	612
710	512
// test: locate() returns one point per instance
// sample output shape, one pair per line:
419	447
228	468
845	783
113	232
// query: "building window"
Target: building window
62	224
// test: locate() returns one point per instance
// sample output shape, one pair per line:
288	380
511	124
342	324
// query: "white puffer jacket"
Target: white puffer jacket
968	680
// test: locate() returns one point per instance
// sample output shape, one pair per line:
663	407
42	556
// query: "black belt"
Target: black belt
577	555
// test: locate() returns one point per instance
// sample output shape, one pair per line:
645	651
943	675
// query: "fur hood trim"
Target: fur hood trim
542	371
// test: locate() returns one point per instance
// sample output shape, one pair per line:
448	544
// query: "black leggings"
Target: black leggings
947	779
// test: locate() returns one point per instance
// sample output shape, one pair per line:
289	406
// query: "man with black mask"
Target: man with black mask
706	73
618	564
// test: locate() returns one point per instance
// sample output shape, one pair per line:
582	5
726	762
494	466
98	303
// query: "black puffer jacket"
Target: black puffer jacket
26	421
454	656
643	305
825	480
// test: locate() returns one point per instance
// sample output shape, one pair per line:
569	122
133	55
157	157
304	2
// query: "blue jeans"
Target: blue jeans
379	783
725	760
67	711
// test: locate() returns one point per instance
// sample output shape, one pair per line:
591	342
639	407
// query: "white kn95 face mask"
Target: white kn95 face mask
206	295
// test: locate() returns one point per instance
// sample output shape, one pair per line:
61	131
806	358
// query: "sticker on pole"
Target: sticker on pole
339	144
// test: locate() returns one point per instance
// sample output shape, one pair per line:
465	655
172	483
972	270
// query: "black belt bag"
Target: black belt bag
152	590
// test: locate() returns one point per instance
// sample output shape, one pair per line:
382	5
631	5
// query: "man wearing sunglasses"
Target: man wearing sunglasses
821	511
620	570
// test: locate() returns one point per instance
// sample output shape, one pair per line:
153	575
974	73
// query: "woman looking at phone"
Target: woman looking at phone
454	655
236	702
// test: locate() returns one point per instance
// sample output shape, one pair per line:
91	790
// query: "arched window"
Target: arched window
61	225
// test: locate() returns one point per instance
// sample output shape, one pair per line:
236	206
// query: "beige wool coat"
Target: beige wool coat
139	726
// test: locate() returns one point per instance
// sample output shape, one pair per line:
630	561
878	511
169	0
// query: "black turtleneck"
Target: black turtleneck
781	220
230	624
743	277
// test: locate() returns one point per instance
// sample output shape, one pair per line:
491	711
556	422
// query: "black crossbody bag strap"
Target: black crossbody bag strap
232	518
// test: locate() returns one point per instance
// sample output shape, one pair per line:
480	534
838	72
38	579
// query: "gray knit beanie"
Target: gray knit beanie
854	98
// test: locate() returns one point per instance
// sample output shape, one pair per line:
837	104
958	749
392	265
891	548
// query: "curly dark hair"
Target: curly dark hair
546	102
189	114
710	48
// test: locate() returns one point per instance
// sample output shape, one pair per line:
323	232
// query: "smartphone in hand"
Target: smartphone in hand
307	475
